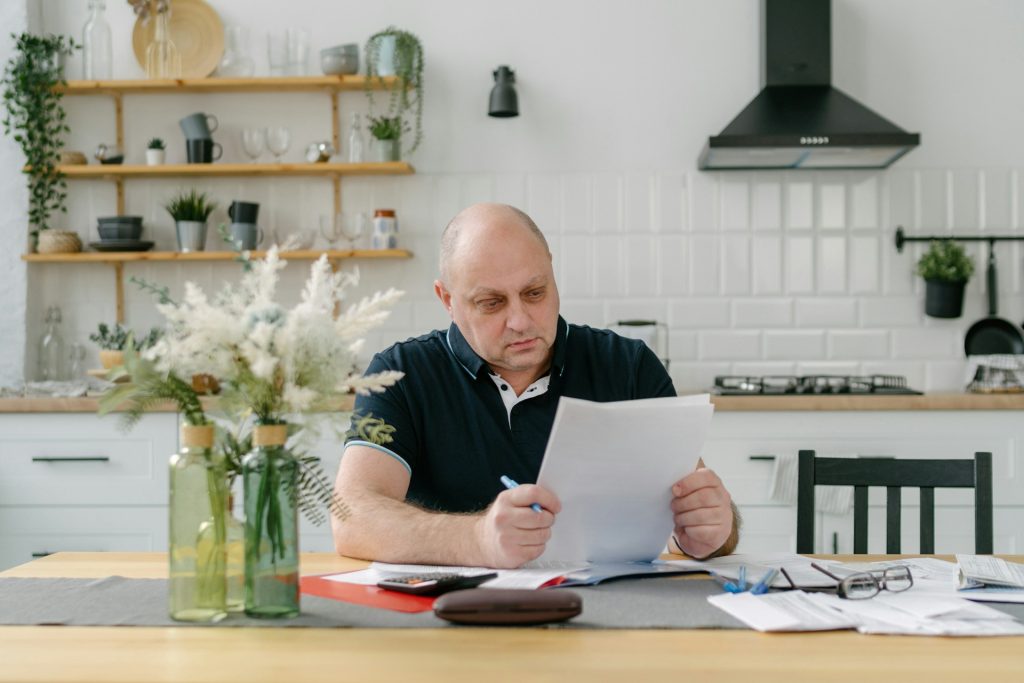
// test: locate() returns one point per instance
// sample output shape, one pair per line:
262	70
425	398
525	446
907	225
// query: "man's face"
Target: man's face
501	293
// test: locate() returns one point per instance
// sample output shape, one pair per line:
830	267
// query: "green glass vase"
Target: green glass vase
270	484
198	508
236	560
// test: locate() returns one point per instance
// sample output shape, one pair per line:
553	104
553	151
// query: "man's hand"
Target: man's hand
702	511
511	533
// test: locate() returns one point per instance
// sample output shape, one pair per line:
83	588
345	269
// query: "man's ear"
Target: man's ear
444	295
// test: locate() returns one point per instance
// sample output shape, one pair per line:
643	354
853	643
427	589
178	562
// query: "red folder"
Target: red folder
371	596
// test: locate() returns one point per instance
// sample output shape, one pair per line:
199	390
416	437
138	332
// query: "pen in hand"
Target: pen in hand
510	483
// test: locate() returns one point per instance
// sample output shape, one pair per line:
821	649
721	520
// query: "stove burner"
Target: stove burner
772	385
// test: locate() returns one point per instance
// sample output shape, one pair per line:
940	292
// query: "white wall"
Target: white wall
754	272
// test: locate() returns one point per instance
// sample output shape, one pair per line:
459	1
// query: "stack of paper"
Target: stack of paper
987	578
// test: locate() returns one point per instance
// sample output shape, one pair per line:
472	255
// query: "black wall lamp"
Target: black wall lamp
504	101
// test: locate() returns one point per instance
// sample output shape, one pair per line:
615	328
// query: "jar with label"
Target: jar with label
385	229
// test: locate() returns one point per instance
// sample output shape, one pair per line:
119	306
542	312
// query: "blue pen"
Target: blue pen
510	483
765	583
742	583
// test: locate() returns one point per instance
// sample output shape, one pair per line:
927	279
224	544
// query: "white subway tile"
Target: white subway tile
794	344
670	203
608	266
734	345
826	312
607	194
447	201
475	188
704	264
636	309
673	265
584	312
544	201
945	376
577	267
998	204
926	344
639	202
832	200
641	271
966	204
700	313
913	371
799	265
891	311
864	258
577	204
865	202
799	205
766	209
766	260
858	344
682	345
762	312
842	368
510	188
736	264
902	198
764	368
695	378
897	268
735	204
426	317
933	200
832	264
702	192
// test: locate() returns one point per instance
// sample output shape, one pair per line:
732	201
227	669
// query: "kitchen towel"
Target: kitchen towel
835	500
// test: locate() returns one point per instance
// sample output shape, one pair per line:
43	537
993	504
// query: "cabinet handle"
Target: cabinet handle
762	457
81	458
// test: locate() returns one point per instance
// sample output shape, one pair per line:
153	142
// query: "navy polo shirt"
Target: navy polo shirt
452	430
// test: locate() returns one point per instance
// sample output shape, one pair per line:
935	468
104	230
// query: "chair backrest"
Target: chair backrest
894	474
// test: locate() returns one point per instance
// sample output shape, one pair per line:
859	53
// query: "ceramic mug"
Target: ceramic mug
201	151
198	126
243	212
246	235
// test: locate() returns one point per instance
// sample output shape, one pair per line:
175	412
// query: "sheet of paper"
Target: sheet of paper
978	570
788	611
533	577
612	466
922	615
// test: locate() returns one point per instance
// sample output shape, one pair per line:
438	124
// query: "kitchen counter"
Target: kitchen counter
722	403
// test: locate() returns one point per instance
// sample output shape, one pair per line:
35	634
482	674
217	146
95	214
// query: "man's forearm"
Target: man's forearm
384	529
734	536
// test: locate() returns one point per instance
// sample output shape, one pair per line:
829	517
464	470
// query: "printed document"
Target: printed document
612	466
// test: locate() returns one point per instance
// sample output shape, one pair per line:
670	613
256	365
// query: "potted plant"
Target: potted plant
190	211
387	137
946	268
155	152
35	119
393	52
113	341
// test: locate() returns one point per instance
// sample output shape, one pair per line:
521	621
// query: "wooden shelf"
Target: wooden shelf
123	256
142	86
117	171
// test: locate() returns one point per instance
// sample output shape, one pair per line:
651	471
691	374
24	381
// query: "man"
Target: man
478	401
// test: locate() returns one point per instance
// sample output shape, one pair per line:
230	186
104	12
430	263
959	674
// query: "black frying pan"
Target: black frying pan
993	334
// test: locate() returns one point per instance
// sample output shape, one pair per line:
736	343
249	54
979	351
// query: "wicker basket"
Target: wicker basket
72	158
58	242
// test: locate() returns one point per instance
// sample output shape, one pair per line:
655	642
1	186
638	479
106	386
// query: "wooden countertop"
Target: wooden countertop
722	403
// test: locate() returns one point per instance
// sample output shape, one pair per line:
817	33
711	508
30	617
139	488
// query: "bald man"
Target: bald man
478	401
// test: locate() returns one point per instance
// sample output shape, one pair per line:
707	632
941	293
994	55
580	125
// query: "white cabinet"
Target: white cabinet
769	526
75	481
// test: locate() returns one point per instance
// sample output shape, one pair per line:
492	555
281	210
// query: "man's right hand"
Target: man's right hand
511	533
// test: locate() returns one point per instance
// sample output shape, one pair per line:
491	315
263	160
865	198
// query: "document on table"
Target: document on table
507	578
612	466
790	611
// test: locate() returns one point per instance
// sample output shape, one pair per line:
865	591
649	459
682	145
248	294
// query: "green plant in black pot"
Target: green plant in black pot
399	53
37	120
946	268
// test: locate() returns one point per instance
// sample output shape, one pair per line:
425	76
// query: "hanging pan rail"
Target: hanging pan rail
901	238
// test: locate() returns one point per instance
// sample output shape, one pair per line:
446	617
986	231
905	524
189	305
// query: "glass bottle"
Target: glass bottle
236	560
356	142
97	55
76	362
270	485
162	57
197	590
51	348
236	62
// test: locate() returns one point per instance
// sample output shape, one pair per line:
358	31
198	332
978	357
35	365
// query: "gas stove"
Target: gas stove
838	385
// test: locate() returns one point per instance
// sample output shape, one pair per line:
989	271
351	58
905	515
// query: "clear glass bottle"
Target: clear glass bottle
51	348
97	54
197	590
76	362
270	485
162	57
356	141
236	560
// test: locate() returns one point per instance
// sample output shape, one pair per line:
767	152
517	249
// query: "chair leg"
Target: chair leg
860	520
805	503
927	520
893	496
983	531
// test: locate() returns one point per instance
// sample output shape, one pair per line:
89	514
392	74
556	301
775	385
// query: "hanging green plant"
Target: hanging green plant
406	94
36	118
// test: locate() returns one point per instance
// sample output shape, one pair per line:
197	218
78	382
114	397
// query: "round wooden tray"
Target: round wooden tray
197	32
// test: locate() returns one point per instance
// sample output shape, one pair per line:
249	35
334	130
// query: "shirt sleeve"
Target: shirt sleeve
395	436
652	379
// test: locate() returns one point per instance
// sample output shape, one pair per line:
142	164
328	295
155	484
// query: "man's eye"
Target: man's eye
535	294
489	304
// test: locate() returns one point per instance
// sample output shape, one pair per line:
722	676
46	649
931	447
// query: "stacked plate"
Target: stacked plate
120	233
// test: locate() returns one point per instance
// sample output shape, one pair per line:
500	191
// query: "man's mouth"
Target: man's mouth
523	344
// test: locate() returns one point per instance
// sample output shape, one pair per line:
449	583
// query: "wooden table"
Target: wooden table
477	655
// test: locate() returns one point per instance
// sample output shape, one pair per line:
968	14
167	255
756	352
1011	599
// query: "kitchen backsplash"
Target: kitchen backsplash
755	273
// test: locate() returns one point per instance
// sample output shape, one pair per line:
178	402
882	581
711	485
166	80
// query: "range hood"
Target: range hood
799	120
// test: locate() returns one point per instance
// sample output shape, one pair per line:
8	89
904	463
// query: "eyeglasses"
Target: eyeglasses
862	585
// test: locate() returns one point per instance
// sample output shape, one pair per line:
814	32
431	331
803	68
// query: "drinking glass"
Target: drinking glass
297	41
353	226
330	228
277	54
252	143
278	140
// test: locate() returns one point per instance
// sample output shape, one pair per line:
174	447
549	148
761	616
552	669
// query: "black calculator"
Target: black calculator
433	584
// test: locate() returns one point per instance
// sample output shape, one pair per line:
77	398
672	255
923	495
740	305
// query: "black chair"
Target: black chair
894	474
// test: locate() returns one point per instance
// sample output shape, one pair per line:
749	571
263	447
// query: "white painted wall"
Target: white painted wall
754	272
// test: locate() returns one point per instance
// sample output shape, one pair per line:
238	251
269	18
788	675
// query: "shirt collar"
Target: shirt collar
472	363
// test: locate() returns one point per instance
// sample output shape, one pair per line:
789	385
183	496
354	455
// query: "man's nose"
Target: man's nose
518	318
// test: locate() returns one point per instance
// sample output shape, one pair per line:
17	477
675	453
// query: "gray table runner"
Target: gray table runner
116	601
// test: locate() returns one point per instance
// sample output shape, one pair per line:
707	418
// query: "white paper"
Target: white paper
789	611
985	570
797	566
533	577
612	466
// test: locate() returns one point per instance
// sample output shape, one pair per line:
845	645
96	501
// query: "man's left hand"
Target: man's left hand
702	511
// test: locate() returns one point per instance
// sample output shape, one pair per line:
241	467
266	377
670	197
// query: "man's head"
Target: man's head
498	285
